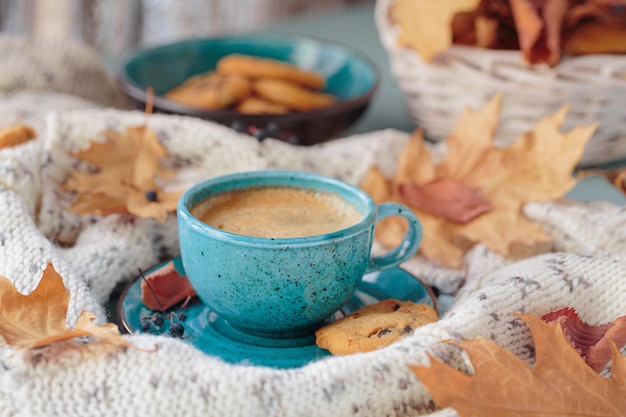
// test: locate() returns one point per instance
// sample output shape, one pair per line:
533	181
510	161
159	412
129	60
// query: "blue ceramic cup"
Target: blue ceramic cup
284	287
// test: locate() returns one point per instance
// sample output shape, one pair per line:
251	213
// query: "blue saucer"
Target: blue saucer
214	336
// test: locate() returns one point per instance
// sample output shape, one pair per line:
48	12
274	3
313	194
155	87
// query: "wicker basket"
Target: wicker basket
593	85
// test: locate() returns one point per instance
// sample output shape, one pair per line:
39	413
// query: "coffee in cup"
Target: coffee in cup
277	212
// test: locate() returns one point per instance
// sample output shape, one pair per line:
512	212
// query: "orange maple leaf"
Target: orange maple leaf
38	319
124	181
537	167
503	385
165	287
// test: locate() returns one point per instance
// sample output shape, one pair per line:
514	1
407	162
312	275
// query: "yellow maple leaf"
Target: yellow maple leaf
537	167
503	385
38	319
426	25
127	165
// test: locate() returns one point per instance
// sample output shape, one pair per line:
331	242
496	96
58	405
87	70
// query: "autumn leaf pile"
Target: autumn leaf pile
123	176
543	30
476	193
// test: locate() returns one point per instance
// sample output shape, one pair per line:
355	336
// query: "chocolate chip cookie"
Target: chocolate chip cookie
374	326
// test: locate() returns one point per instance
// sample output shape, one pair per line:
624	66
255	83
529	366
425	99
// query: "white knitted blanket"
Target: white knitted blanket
94	254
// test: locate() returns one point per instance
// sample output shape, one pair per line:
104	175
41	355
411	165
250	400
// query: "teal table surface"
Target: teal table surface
355	27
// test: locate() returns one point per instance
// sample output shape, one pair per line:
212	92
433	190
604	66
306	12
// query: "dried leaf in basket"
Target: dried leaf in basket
616	177
595	38
426	25
15	135
542	29
38	319
503	385
593	343
126	166
539	25
608	13
538	166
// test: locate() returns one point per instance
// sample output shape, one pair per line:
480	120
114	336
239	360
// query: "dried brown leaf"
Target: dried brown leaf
426	25
608	13
127	166
503	385
539	26
595	38
486	32
38	319
528	23
15	135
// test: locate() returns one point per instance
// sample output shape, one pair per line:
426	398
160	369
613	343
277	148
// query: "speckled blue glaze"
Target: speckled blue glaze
286	287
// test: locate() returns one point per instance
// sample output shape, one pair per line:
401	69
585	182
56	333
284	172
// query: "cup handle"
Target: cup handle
409	245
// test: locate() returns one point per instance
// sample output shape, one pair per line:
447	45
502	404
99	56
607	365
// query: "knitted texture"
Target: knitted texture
176	379
167	377
63	67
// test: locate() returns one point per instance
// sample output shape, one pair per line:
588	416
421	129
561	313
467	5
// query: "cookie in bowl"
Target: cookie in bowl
342	80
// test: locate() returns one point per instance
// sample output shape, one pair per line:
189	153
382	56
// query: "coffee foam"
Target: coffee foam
277	212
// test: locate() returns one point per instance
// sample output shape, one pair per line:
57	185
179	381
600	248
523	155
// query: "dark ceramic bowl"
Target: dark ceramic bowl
350	77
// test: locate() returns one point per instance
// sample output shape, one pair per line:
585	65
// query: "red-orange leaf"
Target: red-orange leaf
165	287
592	342
559	384
445	197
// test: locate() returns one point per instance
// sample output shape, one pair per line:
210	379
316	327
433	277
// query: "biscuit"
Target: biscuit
291	95
257	67
257	105
374	326
211	91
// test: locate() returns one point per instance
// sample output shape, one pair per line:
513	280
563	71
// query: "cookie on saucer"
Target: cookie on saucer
374	326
